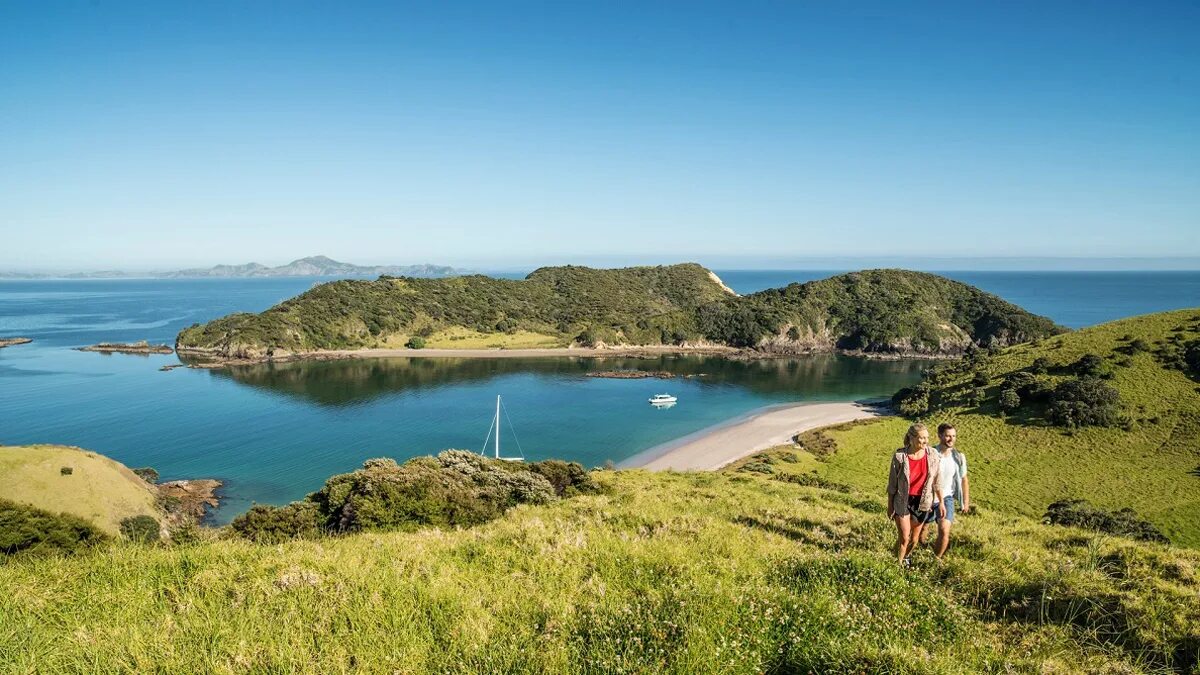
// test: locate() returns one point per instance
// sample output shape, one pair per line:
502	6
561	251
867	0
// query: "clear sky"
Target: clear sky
159	134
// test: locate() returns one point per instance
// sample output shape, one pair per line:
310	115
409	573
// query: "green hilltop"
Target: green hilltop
1132	439
874	311
674	573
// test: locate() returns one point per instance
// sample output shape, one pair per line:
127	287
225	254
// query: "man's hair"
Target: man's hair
944	427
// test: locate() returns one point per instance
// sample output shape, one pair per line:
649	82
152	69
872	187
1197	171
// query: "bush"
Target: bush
793	333
1086	401
1040	366
567	478
142	529
415	342
1088	365
980	379
757	467
147	474
1078	513
273	524
66	471
1010	400
28	529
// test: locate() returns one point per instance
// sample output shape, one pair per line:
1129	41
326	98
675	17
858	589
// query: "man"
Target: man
955	486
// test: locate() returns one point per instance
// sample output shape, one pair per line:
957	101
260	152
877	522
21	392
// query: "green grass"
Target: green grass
98	489
683	573
1020	464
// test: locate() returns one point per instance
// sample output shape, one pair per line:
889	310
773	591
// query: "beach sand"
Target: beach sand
717	446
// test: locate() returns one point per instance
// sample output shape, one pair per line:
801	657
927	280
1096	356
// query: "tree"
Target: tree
1040	366
1088	365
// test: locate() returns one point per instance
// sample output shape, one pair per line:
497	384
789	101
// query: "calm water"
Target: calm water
274	433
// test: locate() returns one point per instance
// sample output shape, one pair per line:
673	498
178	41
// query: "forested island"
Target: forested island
874	312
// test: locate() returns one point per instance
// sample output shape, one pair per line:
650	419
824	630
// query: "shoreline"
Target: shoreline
717	446
193	358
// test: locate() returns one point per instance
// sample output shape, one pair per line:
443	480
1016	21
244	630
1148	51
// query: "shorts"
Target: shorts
920	517
948	503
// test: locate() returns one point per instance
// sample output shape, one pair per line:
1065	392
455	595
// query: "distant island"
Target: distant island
313	266
685	306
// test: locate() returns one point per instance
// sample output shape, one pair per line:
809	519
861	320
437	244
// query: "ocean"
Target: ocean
274	433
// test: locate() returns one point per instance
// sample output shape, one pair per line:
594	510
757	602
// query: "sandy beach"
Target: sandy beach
713	448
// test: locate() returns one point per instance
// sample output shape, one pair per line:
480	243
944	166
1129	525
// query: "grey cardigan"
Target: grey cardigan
897	488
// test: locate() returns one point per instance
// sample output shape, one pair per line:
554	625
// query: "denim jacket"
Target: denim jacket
897	488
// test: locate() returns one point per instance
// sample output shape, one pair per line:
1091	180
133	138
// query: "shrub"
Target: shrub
812	480
587	338
793	333
1040	366
567	478
415	342
147	474
757	467
274	524
1088	365
980	379
1010	400
142	529
1138	346
1124	522
66	471
28	529
1086	401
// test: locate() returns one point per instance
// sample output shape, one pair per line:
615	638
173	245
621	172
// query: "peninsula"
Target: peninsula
139	347
9	342
675	307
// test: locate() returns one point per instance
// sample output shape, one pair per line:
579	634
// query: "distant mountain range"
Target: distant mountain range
314	266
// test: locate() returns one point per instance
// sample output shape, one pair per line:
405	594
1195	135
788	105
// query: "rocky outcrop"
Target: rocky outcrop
140	347
8	342
189	500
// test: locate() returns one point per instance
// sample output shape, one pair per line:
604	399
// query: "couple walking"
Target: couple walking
923	485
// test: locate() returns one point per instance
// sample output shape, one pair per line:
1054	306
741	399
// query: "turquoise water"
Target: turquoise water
275	433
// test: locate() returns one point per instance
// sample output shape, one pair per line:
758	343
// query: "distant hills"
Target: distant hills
874	311
313	266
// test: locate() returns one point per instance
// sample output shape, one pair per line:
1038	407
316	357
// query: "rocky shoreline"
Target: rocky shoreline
189	500
140	347
9	342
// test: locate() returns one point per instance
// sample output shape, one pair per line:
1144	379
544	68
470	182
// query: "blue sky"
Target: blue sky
739	134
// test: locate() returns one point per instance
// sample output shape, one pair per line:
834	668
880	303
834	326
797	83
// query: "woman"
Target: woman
914	490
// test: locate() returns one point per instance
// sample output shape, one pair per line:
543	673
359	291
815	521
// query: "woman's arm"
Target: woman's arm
892	487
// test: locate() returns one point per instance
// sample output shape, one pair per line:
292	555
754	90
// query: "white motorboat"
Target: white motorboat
662	399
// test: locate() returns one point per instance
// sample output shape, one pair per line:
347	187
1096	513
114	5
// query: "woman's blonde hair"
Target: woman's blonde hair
912	433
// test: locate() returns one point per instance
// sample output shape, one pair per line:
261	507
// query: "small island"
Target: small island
10	341
139	347
632	374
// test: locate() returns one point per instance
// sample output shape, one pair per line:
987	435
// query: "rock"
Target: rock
631	374
140	347
189	499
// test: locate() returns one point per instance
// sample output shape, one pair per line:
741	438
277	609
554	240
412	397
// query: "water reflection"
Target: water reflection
353	381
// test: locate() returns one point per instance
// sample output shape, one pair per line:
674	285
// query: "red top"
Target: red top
918	471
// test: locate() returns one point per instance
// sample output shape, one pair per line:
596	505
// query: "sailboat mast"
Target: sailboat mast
497	426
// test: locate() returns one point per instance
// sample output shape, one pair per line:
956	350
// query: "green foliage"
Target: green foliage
275	524
1084	401
147	474
415	342
66	471
27	529
1040	366
875	310
1088	365
1123	522
142	529
1009	400
456	488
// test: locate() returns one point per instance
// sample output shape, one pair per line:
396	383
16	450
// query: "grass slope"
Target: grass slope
1021	464
874	311
679	573
99	490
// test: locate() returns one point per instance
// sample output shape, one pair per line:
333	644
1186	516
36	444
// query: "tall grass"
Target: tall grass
663	573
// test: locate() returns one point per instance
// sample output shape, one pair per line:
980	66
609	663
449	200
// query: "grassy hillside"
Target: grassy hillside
873	311
1021	461
683	573
97	489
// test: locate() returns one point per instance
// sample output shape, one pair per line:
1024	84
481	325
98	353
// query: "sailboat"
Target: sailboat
494	430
